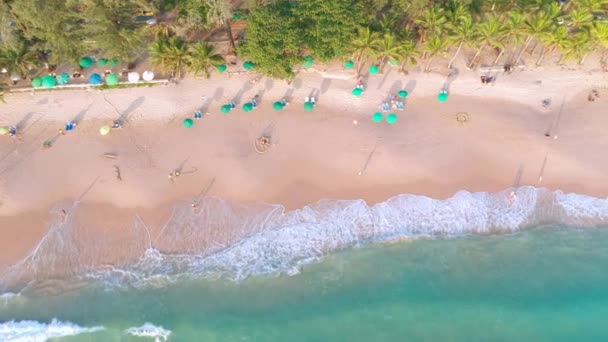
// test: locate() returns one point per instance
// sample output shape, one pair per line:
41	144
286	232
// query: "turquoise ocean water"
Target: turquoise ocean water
536	283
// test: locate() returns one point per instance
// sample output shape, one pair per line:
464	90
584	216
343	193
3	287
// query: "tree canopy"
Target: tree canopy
273	39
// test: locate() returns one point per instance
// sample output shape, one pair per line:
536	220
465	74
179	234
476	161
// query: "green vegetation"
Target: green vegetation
41	34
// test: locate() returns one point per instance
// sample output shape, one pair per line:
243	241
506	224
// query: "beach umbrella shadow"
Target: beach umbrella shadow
219	92
397	85
410	86
133	106
80	116
269	84
238	97
325	85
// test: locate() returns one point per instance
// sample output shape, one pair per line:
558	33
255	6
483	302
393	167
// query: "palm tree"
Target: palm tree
535	27
490	32
219	14
203	58
579	19
365	45
3	87
387	49
431	23
433	47
589	5
18	61
599	36
408	54
576	47
463	32
515	31
171	55
554	40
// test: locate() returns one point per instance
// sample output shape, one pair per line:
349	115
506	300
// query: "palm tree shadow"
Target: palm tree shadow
384	78
452	76
21	124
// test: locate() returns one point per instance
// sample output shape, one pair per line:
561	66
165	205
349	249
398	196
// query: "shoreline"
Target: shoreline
314	156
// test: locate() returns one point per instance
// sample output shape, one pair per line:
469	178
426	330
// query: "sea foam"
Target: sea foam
158	333
34	331
236	241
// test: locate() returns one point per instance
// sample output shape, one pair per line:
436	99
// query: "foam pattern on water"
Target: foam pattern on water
34	331
149	330
237	241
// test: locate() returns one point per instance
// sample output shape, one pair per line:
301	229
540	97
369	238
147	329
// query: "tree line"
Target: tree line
279	33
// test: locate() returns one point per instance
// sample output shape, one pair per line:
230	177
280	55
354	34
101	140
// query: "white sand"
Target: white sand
315	155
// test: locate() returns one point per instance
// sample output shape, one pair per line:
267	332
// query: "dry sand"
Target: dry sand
314	156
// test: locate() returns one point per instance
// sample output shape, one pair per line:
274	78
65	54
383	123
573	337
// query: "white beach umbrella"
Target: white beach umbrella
133	77
148	75
15	77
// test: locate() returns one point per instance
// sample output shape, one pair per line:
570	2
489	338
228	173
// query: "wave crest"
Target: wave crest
237	241
158	333
34	331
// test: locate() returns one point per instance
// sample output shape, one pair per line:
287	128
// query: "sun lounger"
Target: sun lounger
385	107
398	105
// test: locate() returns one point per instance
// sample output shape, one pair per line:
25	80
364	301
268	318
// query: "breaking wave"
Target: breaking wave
34	331
235	241
158	333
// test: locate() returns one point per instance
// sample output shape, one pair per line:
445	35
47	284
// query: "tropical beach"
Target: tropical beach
356	184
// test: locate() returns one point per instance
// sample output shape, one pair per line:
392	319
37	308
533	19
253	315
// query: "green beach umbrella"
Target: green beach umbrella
349	64
4	130
374	69
377	117
49	81
443	96
188	123
225	109
86	62
221	67
308	62
357	92
278	105
248	107
113	62
112	79
102	62
37	82
402	93
391	118
248	65
309	106
104	130
63	78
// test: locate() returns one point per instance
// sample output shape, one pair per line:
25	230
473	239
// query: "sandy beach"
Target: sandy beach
334	152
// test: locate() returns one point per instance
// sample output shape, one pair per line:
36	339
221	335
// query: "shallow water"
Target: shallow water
540	284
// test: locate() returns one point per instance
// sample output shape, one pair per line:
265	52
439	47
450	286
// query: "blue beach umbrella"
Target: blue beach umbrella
95	79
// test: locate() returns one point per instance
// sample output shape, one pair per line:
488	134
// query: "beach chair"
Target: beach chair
312	99
398	105
70	126
232	105
385	107
198	114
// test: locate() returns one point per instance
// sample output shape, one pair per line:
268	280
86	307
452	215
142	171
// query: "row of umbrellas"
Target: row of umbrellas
50	81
